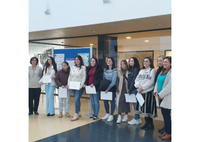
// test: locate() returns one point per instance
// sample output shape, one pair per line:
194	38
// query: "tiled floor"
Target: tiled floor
41	126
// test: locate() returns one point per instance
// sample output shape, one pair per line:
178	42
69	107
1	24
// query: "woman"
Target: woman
110	73
49	69
122	89
144	83
134	70
94	77
62	81
160	67
78	74
35	74
163	91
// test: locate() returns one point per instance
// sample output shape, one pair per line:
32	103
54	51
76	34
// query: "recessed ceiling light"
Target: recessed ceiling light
146	40
91	44
128	37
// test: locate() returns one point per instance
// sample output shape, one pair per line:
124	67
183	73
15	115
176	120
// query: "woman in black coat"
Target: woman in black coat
134	70
94	73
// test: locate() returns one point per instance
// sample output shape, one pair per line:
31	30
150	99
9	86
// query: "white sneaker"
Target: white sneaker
75	117
106	116
125	119
79	114
60	115
110	118
119	119
135	122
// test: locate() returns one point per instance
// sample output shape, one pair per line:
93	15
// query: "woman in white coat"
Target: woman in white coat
162	91
50	69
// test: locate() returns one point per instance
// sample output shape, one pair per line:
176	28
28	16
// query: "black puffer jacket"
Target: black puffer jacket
157	73
98	76
131	79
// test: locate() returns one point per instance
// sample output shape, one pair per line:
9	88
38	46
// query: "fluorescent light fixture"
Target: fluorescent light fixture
146	40
128	37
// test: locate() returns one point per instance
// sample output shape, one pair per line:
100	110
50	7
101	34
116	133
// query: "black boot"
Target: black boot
146	123
150	124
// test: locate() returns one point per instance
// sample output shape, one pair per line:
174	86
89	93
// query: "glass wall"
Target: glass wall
143	44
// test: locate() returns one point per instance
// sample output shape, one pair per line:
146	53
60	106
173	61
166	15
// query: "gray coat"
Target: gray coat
166	92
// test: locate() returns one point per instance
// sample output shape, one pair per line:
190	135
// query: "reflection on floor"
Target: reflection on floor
41	126
103	131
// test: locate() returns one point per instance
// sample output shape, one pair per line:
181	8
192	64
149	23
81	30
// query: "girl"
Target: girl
35	74
110	73
94	77
50	68
122	89
78	74
144	83
134	70
62	81
163	91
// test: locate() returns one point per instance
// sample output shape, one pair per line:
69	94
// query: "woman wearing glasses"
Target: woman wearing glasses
144	83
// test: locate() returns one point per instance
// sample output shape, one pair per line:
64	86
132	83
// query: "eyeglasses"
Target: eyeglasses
145	61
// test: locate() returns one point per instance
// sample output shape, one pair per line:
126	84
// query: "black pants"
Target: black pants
34	94
167	119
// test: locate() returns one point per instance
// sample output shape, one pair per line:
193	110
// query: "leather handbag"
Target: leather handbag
104	84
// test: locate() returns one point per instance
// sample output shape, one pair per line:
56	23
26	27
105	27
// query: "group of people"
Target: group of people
154	86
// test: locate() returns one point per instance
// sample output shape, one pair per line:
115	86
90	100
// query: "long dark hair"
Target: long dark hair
46	65
68	69
136	63
95	67
150	60
113	65
126	63
164	71
81	61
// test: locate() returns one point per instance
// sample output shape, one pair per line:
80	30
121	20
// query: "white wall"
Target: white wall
71	13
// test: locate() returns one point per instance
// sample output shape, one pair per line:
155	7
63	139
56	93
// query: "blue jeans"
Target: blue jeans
167	119
94	99
66	101
49	90
137	116
77	95
106	105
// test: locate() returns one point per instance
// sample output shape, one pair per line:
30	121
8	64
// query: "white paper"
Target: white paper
130	98
157	102
43	87
90	90
59	59
70	61
117	100
140	99
106	96
62	92
46	79
74	85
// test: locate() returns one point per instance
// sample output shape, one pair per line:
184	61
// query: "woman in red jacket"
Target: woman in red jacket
61	80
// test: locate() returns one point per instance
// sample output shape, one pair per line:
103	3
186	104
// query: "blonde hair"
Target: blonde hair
161	56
